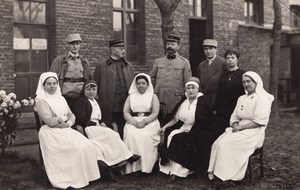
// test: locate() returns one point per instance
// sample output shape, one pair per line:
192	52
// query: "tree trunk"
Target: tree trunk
275	55
167	9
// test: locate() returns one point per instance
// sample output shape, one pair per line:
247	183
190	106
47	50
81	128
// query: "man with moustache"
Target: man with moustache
114	77
169	75
72	70
210	70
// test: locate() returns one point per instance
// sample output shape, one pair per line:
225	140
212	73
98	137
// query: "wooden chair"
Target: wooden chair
255	162
39	124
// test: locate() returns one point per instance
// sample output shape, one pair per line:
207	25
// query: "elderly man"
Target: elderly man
210	70
169	75
72	70
114	77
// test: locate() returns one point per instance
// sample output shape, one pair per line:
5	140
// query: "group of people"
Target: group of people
94	123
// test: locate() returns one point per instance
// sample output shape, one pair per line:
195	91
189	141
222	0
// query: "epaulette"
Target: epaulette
183	58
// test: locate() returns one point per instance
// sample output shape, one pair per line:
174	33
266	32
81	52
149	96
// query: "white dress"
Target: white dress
230	152
70	158
110	148
143	142
185	113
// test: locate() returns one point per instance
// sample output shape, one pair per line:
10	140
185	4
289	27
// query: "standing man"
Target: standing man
72	70
114	77
169	75
210	70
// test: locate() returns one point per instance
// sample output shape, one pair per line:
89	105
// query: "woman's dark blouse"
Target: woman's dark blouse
83	111
229	90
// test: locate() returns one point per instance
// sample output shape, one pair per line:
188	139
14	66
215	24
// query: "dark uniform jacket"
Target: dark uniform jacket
105	76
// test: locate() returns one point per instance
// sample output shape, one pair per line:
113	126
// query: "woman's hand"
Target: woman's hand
63	125
60	120
161	131
140	124
103	124
236	128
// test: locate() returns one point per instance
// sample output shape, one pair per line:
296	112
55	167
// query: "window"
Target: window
295	16
30	35
126	26
197	8
253	11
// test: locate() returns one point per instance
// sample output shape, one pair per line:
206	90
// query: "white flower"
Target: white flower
10	102
12	95
5	110
25	102
16	105
6	98
4	105
2	93
31	102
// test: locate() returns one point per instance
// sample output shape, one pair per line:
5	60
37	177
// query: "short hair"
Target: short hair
141	77
232	51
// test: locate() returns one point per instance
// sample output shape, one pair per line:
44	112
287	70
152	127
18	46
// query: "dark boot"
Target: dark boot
134	158
106	172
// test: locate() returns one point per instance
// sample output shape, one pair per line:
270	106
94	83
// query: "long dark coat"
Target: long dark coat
105	76
209	76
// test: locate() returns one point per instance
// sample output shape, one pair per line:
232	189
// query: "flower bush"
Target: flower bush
10	112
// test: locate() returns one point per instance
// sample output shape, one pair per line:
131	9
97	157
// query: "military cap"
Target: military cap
116	43
210	42
73	38
173	38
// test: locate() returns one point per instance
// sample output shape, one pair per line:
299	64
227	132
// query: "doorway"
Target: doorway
198	33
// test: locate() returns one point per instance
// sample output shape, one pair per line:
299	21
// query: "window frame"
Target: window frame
295	16
124	10
259	7
194	7
31	26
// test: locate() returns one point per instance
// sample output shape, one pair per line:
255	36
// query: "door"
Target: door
30	45
197	35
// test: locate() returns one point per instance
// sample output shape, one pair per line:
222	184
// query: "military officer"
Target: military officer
169	75
114	77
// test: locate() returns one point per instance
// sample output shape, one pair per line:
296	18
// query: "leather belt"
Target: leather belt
73	80
140	114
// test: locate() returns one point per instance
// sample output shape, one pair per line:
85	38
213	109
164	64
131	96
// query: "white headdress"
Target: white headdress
259	84
56	101
133	88
40	91
139	102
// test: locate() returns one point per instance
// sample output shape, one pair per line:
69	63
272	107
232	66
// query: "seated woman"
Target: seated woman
88	115
141	130
70	158
178	140
202	136
230	152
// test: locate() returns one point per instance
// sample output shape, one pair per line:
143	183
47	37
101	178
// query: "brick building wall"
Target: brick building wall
6	46
92	19
226	16
254	45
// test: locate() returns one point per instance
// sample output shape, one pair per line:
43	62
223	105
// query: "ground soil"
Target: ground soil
20	168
